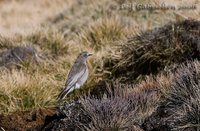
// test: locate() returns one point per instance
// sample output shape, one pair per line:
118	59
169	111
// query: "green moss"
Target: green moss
23	98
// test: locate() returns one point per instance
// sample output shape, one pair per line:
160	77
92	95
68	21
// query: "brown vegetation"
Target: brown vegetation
143	74
152	51
179	109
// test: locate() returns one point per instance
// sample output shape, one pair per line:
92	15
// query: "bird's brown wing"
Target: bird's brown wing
76	72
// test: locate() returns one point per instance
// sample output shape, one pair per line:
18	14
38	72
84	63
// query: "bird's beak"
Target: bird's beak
89	54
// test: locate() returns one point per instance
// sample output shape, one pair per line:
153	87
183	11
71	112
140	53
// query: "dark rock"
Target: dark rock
18	56
70	117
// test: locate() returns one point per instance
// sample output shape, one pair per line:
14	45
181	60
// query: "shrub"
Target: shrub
123	108
179	109
103	33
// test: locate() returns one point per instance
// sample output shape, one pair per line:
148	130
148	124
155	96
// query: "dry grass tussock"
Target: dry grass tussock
58	31
104	33
150	52
29	91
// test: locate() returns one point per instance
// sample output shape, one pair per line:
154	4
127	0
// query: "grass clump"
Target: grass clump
51	42
6	42
104	32
150	52
30	91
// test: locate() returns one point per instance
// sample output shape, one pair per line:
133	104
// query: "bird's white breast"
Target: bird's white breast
83	78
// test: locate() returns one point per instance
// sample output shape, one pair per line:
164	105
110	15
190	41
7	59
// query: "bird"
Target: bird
77	75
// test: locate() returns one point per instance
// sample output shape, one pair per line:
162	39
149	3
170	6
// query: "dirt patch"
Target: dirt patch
28	120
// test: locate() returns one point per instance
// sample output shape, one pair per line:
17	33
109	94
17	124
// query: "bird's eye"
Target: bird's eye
85	55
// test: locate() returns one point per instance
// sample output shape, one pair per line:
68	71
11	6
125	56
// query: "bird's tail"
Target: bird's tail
62	94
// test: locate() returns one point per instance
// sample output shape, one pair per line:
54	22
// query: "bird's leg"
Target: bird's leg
74	93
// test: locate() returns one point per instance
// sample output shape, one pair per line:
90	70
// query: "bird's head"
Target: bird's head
84	55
